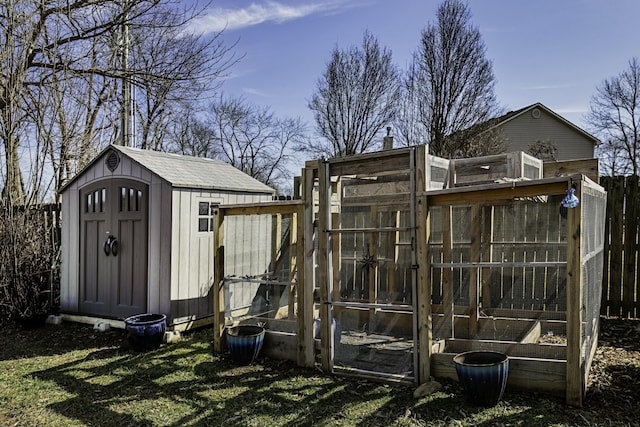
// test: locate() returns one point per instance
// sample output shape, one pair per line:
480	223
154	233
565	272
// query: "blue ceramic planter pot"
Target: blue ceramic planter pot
483	375
145	331
244	343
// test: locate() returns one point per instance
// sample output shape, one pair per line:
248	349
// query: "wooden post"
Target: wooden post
391	272
336	250
373	267
295	274
452	174
306	350
487	255
297	187
276	257
304	296
474	276
324	267
575	381
423	294
422	303
218	281
630	247
447	274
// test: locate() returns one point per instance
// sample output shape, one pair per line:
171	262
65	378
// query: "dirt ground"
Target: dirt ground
614	381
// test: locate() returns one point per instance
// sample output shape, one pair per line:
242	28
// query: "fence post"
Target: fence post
218	281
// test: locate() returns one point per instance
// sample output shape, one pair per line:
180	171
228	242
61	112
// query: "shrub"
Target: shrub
29	262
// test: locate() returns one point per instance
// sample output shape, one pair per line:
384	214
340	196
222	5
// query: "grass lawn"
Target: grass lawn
69	375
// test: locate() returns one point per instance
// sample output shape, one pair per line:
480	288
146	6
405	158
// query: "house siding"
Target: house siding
192	252
525	130
159	263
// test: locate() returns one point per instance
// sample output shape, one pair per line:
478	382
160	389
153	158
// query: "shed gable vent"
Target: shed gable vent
535	113
112	161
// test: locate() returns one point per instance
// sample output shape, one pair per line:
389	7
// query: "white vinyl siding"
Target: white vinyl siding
525	130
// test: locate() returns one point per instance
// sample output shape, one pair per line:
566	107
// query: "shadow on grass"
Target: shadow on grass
52	340
185	384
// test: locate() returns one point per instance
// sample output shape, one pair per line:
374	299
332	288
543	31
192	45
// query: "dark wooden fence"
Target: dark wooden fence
52	217
48	215
620	286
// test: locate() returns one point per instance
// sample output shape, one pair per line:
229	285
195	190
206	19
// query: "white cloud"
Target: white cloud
255	92
218	19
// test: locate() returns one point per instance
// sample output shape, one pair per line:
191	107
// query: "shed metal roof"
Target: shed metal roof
189	172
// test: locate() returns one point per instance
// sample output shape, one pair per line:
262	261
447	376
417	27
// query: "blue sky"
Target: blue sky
550	51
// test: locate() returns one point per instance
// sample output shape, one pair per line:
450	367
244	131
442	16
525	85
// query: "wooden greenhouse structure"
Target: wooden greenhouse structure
388	264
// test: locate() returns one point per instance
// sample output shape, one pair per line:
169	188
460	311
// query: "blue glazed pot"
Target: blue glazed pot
145	331
244	343
483	375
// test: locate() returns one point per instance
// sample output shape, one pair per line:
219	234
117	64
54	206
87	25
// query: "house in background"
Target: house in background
137	234
536	124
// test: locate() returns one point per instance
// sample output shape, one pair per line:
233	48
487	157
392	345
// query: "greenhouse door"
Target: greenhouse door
113	248
367	240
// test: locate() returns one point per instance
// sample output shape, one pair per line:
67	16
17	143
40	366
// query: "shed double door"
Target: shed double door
113	248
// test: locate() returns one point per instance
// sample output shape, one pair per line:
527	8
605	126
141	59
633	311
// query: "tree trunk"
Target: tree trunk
13	190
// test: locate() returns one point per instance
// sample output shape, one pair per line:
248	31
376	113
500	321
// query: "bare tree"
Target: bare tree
189	64
409	129
355	99
250	138
544	150
615	116
71	118
455	79
39	41
613	160
190	135
482	139
73	52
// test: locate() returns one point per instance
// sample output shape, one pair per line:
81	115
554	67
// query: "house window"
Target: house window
205	216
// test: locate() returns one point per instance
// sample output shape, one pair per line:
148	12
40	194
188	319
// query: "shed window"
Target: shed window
130	199
203	208
95	201
205	216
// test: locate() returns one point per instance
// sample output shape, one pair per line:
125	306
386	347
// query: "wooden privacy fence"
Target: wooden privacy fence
47	215
51	215
620	287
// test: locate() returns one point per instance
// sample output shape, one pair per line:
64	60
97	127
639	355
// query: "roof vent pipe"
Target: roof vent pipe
387	141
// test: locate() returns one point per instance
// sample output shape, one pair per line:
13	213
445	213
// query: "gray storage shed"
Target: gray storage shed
137	233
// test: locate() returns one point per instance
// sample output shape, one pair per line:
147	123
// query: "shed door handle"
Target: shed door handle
114	246
107	246
110	246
